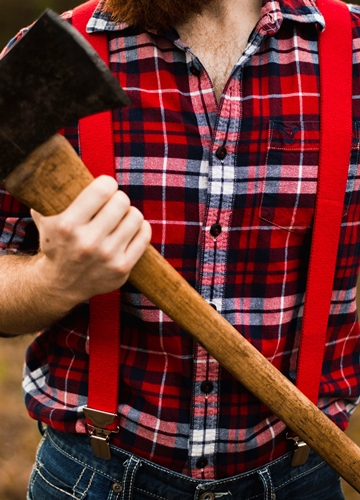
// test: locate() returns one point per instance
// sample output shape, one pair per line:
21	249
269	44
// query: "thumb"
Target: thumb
36	217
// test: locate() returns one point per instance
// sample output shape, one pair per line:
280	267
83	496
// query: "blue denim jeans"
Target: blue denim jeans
66	469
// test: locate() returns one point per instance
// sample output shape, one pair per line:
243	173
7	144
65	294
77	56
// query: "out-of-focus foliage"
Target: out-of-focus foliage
15	14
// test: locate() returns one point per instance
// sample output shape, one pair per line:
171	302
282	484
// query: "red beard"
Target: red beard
157	15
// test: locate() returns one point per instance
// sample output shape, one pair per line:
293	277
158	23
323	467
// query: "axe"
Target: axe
38	96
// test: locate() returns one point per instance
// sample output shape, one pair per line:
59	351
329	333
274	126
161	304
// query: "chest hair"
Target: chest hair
219	56
220	36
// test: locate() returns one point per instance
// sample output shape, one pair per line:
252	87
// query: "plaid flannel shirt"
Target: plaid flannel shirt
229	189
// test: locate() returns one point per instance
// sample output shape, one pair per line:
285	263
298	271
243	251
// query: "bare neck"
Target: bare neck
219	36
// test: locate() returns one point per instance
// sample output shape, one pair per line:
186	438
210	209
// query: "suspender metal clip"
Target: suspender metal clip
100	425
301	450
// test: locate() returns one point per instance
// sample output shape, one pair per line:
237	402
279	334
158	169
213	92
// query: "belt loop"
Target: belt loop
131	466
265	477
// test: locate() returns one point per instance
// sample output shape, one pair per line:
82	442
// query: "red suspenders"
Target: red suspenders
335	50
97	151
335	55
96	142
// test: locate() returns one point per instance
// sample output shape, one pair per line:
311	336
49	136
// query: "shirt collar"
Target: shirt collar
302	11
275	11
271	17
101	20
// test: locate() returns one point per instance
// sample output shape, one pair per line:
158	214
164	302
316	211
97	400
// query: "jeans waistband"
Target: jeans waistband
261	483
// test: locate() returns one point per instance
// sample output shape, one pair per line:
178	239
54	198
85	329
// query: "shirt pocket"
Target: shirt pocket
290	177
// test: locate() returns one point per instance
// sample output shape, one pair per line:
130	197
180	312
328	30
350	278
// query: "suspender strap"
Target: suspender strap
97	151
335	50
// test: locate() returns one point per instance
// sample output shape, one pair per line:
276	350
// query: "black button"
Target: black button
213	305
194	71
201	463
207	387
215	230
221	152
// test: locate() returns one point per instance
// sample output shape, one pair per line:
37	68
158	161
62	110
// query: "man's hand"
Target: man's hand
91	247
88	249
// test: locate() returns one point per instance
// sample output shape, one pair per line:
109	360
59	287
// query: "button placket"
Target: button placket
204	434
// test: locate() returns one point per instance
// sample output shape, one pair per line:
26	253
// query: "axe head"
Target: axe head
49	79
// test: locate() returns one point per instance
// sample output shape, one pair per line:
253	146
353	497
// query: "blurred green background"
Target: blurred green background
15	14
18	433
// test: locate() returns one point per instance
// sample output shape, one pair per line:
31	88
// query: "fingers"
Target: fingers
95	196
91	247
138	245
129	240
87	204
90	201
111	228
108	218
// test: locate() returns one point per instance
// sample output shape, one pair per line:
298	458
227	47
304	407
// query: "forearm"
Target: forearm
28	304
88	249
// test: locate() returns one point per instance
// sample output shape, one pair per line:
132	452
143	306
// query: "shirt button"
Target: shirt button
215	230
207	387
194	71
117	487
201	463
209	495
221	153
213	305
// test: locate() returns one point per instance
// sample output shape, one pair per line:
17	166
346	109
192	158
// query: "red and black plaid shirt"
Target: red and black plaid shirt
229	190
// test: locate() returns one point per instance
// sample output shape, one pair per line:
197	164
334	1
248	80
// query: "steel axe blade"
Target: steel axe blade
49	79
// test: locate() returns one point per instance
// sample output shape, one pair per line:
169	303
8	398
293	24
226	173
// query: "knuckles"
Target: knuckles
135	216
66	227
104	186
121	201
121	268
105	253
85	249
147	231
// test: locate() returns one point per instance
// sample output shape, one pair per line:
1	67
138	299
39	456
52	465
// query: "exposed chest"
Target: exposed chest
219	51
219	64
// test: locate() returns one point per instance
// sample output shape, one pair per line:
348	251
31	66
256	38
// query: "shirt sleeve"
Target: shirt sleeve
18	233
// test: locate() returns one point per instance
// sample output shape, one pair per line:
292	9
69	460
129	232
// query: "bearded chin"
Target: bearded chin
158	15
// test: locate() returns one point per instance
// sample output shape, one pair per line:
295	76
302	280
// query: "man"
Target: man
225	111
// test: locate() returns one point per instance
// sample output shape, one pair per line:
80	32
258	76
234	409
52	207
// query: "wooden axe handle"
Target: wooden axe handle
51	179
